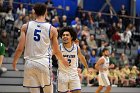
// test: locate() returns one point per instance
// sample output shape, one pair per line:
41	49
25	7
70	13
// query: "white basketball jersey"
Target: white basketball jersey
72	55
37	44
106	64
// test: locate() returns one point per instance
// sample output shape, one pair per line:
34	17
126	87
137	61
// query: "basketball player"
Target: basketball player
39	38
68	79
103	65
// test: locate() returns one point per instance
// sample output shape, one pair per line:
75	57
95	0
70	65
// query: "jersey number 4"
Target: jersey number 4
37	35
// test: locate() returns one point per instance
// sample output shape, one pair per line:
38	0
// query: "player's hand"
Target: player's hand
112	66
14	66
103	69
65	62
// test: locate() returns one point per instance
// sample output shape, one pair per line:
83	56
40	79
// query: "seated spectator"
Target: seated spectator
113	77
85	31
113	59
126	71
90	76
21	10
117	40
92	58
92	42
132	80
80	74
2	52
17	25
64	22
75	22
133	76
122	77
5	39
138	80
9	19
123	60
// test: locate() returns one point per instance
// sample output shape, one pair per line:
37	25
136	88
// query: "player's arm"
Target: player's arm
55	46
99	63
82	58
20	46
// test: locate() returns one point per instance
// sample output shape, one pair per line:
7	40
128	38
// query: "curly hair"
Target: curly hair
70	30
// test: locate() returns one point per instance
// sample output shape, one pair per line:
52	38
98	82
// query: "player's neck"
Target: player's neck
68	45
40	19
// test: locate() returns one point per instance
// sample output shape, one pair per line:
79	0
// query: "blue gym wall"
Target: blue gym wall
138	7
91	5
96	5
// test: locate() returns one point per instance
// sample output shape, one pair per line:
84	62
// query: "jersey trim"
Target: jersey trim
69	50
27	28
50	31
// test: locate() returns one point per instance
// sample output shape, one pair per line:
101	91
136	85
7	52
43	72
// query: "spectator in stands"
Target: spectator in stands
85	52
75	22
84	20
133	75
5	39
90	20
49	4
98	19
64	22
21	10
92	42
90	76
80	74
9	19
86	31
1	6
113	77
110	31
135	71
26	19
78	29
113	59
92	58
2	52
79	12
123	60
126	71
120	26
17	25
127	37
116	38
123	12
138	80
122	77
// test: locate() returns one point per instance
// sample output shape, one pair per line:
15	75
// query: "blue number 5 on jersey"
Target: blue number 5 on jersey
37	35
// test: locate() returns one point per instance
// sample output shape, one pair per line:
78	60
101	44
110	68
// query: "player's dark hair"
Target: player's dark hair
40	9
70	30
105	49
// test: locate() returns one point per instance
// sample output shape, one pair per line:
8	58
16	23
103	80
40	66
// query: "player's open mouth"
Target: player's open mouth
64	39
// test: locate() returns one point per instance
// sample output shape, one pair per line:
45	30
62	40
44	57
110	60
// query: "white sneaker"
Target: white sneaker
89	85
4	69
